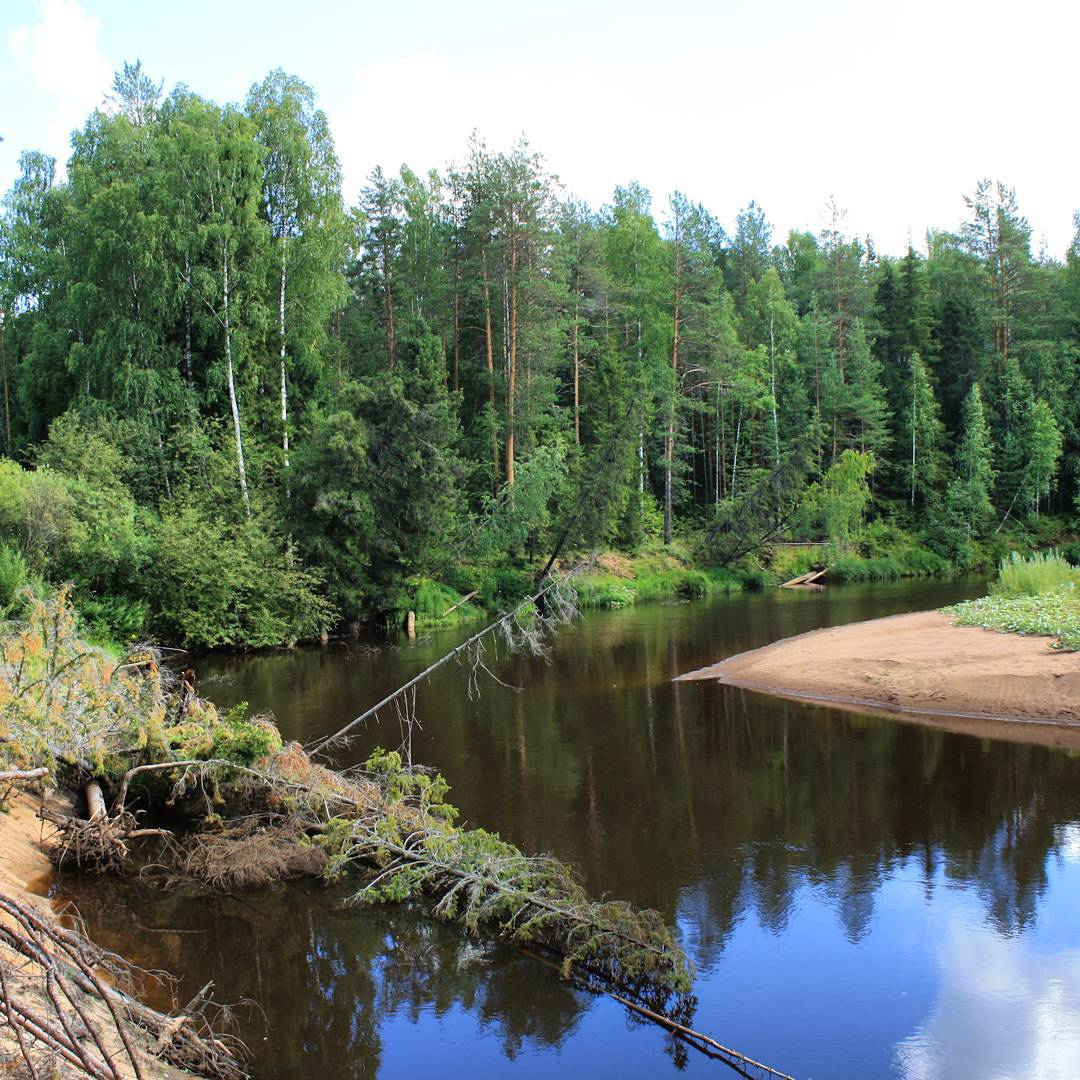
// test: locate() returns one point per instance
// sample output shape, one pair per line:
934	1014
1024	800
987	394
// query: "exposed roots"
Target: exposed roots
97	846
250	854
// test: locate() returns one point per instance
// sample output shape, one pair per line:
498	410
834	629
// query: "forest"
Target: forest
239	412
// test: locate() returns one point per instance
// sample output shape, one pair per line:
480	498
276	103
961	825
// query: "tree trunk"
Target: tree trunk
457	335
391	336
233	405
577	361
511	384
489	343
775	418
284	385
914	422
669	434
735	452
187	322
7	395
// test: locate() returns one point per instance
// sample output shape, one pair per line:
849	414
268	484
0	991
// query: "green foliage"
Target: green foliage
219	583
655	577
198	334
1033	575
839	501
1052	614
13	575
235	737
477	879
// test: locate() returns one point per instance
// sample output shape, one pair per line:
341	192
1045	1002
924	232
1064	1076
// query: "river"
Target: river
861	897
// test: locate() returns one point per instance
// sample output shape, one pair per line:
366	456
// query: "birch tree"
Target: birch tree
301	204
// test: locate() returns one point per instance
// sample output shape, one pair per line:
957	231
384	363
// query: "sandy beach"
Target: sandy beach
921	664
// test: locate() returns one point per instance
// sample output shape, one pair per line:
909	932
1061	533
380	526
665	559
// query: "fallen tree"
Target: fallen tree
220	799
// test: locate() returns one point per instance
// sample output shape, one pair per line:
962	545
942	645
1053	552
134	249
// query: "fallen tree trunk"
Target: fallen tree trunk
463	600
805	579
95	802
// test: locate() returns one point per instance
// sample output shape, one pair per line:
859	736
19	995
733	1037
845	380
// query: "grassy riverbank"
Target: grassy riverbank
678	571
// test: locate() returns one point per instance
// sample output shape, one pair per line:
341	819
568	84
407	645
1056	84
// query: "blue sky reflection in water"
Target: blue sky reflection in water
863	897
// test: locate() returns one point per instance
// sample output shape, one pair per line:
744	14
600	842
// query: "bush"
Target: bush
239	584
1034	575
13	575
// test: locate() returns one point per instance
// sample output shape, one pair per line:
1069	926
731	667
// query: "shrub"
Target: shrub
1034	575
219	583
13	575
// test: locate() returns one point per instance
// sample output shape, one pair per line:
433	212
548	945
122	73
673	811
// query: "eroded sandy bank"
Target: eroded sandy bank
921	664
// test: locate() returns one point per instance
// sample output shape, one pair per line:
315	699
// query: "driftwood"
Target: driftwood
61	1001
805	579
463	600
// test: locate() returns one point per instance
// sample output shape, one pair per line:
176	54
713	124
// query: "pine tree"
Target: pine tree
970	490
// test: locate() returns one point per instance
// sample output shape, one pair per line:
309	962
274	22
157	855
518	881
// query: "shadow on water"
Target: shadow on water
838	879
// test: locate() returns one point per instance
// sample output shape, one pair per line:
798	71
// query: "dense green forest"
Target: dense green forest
237	411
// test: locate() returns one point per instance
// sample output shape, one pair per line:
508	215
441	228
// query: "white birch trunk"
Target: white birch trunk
914	421
735	452
284	385
232	383
775	419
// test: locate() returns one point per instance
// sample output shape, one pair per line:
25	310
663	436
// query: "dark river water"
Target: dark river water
861	897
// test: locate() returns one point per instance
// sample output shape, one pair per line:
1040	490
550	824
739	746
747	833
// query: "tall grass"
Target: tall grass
1034	575
432	601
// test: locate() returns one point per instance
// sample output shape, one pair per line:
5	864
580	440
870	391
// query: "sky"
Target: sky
896	109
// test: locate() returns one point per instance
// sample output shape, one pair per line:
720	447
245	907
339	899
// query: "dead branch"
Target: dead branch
546	607
64	965
13	775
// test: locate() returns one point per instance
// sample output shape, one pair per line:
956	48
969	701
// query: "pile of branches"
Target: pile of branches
62	998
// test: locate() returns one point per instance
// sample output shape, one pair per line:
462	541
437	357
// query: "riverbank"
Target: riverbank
920	663
25	870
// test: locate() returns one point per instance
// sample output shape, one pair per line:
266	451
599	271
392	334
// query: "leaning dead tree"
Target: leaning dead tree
64	999
526	628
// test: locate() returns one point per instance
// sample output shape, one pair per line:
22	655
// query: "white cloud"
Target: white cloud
60	55
1004	1010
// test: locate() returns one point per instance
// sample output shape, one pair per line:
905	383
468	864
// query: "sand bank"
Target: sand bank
921	664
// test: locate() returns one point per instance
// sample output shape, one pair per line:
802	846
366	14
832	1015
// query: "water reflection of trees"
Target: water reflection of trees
327	981
707	803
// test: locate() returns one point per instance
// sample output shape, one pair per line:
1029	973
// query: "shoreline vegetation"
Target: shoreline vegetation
1008	658
239	412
